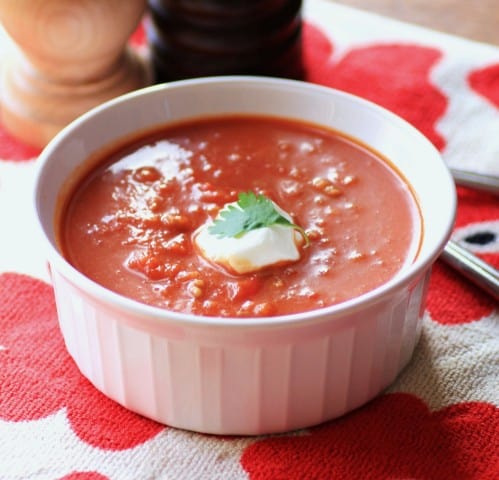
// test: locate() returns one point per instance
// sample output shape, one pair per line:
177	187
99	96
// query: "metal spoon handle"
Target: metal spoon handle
478	181
479	272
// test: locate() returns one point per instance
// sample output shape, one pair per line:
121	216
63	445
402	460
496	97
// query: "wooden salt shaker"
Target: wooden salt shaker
68	56
193	38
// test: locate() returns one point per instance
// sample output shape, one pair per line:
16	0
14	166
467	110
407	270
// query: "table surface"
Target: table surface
476	20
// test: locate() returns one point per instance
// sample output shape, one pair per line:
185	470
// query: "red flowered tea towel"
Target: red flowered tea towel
439	420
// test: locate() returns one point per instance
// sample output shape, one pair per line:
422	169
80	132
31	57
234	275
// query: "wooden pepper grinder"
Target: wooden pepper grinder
193	38
67	57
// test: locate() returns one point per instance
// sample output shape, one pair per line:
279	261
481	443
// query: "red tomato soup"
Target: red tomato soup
129	223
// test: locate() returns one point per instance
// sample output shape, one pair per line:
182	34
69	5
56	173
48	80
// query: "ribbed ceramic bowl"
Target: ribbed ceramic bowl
251	375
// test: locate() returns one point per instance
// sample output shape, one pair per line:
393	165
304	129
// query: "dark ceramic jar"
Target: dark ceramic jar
194	38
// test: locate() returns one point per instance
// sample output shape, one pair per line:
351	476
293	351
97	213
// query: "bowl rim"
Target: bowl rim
407	275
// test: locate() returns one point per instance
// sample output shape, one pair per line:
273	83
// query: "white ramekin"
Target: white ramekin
245	376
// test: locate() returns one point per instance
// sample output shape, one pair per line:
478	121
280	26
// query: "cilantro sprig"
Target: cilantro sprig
252	212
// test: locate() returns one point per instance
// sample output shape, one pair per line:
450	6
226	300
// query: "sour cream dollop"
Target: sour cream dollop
253	250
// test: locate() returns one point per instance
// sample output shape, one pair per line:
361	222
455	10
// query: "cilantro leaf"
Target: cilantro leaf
252	212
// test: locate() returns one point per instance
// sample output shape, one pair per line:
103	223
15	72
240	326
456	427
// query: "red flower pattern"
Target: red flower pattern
394	76
473	303
485	81
14	150
138	38
393	437
35	366
84	476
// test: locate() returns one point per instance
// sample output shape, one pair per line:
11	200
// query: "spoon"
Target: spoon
477	181
473	268
469	265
